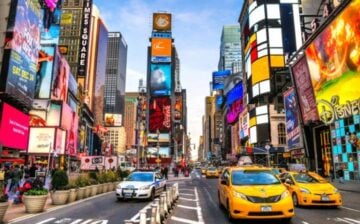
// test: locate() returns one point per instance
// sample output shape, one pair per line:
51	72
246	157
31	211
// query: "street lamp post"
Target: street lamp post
268	147
158	147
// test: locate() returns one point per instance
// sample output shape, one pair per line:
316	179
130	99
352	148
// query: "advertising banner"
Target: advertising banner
163	152
111	162
91	162
334	65
54	114
160	114
292	119
163	137
50	31
162	22
44	72
160	79
161	49
60	141
178	108
234	110
14	128
37	118
72	84
230	81
22	44
218	79
69	121
113	120
307	103
60	79
41	140
84	38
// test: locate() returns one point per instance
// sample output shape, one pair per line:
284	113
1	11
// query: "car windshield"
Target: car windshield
253	177
212	168
306	178
140	177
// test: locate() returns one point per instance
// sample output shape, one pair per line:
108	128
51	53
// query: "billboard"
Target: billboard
178	108
163	152
163	137
218	79
334	63
234	103
162	22
60	81
22	44
44	71
72	85
69	121
160	114
37	118
14	128
91	162
292	119
54	114
307	103
160	79
41	140
113	120
50	31
161	49
84	38
230	81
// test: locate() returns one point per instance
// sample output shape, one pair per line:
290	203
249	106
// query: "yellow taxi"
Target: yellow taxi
212	172
308	188
203	170
252	192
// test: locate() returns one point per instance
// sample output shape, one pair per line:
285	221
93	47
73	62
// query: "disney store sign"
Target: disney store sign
333	110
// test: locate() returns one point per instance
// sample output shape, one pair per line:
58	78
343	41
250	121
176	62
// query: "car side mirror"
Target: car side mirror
288	181
224	182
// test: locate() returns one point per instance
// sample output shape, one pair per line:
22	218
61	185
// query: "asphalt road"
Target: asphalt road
103	209
203	208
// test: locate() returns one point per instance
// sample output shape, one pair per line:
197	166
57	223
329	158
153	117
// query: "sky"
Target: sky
196	29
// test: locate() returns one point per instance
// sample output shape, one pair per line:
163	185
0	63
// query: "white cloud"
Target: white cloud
132	79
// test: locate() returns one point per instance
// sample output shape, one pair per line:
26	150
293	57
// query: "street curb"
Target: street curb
27	216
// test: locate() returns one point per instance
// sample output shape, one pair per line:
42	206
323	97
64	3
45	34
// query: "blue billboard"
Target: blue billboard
160	79
234	94
21	49
218	79
292	119
50	31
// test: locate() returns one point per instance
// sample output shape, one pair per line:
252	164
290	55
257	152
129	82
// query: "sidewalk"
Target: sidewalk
171	177
347	186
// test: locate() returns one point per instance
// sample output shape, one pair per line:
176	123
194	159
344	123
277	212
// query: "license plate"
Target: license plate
127	195
325	198
128	191
266	208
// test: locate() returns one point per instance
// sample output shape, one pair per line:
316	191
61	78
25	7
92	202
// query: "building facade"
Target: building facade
229	47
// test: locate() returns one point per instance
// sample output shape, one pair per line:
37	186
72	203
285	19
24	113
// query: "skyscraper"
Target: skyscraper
230	47
115	75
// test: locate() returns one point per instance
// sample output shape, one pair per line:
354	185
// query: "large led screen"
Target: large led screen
44	71
54	114
113	120
178	108
60	81
69	121
307	103
161	49
163	152
41	140
163	137
160	114
160	79
334	64
50	31
234	110
218	79
14	128
22	44
162	22
292	119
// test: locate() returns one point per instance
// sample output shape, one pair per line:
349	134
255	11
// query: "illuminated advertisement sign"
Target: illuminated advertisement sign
162	22
292	119
60	80
218	79
160	79
54	114
160	114
161	49
244	124
234	110
84	38
307	103
163	137
41	140
219	101
22	44
69	121
50	32
178	108
44	72
37	118
113	120
163	152
230	81
60	141
234	94
334	62
72	86
14	128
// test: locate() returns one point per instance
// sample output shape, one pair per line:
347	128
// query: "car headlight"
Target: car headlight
147	187
239	195
336	191
118	187
285	194
304	190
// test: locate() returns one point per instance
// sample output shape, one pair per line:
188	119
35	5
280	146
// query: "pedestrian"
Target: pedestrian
340	174
332	175
166	170
32	171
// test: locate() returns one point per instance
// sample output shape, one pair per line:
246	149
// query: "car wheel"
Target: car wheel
230	218
119	199
152	195
295	200
286	221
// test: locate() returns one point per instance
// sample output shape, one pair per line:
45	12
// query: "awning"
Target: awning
12	160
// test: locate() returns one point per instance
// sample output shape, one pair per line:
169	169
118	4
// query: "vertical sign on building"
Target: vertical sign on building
84	38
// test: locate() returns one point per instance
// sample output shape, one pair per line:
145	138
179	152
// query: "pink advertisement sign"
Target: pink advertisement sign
14	128
307	102
69	121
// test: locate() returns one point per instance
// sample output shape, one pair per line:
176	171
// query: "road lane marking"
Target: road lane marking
76	221
187	199
353	220
199	213
187	194
87	221
45	221
343	220
303	222
188	207
209	196
137	215
100	222
185	220
351	209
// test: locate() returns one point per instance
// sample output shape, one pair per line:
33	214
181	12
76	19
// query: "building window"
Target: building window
281	134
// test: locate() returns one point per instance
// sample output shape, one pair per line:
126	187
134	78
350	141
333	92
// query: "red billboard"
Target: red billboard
307	103
160	114
14	128
69	121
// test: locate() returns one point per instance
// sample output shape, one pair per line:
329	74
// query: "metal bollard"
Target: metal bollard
165	203
143	216
157	205
174	194
128	222
153	214
161	206
168	196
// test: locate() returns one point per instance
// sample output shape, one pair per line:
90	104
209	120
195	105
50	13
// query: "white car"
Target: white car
141	185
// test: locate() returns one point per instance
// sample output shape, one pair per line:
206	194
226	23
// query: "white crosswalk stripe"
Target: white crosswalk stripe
73	221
